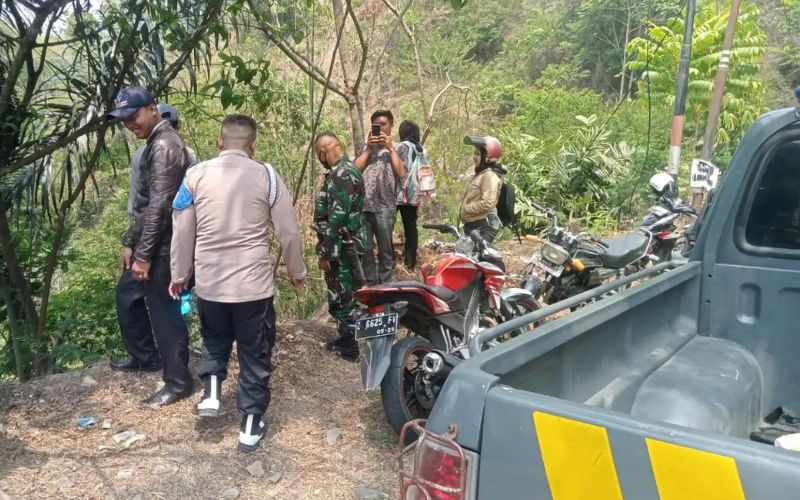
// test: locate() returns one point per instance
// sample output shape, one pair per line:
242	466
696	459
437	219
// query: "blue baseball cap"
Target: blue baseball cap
168	112
129	100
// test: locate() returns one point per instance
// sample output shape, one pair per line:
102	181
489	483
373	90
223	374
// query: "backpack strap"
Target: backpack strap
273	189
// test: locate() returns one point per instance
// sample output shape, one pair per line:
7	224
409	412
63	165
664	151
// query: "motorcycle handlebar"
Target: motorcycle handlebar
549	212
443	228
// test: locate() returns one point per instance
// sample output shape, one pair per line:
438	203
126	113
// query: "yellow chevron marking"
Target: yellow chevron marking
683	473
577	459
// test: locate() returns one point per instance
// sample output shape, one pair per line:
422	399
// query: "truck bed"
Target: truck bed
630	376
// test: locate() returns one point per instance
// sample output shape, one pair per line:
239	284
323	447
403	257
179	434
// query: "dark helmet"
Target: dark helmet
664	185
490	146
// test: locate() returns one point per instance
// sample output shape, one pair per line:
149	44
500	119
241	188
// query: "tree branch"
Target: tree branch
363	44
300	60
417	59
172	71
375	71
26	45
64	140
450	85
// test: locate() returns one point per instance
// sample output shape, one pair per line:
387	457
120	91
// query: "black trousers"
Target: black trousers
488	233
408	213
144	308
252	326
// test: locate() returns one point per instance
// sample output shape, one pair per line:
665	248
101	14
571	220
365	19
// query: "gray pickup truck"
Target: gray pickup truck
662	390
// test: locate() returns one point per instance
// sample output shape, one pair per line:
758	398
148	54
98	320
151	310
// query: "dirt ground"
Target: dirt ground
45	454
326	438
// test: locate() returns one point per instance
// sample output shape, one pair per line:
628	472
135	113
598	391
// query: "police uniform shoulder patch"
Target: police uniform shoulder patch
183	199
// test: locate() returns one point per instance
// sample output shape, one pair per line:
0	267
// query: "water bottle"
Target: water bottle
186	302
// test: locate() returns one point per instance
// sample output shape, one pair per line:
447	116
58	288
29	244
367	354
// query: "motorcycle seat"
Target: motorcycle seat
624	250
443	293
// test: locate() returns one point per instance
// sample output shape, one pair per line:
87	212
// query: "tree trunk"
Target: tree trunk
13	330
625	56
349	68
17	279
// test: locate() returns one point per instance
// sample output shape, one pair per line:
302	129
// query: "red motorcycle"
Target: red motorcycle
462	294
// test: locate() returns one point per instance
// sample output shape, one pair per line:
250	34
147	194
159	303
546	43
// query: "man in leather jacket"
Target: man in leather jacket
145	257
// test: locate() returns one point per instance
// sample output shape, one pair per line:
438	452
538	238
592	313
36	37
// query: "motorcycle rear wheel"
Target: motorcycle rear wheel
401	401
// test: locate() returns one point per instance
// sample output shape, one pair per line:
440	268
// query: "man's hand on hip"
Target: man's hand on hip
140	270
325	265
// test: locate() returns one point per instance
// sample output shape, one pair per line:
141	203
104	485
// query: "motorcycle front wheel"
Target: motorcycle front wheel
402	401
523	307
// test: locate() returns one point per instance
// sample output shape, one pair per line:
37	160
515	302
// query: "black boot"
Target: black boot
251	432
208	407
346	345
334	344
347	349
131	364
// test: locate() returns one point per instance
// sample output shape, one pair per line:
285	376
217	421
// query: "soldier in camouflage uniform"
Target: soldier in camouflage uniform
339	205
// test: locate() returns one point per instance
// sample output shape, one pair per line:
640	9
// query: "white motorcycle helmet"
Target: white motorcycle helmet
663	184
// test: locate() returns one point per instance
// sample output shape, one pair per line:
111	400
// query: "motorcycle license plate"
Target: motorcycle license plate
376	326
549	267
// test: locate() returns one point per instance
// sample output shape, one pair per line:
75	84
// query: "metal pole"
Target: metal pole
679	115
715	109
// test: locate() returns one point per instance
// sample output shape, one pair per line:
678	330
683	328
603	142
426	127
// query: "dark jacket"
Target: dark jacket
164	163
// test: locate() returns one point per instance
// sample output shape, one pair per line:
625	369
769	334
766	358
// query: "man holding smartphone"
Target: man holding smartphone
383	172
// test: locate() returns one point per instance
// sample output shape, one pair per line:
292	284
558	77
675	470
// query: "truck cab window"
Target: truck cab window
774	219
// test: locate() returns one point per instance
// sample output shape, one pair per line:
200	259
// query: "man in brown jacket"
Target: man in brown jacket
479	205
221	218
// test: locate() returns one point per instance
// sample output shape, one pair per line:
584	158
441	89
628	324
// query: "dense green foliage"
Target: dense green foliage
579	91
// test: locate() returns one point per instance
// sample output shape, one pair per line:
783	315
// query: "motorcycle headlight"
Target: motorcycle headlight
554	253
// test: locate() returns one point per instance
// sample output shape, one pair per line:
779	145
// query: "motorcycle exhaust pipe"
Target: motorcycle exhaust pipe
432	363
435	366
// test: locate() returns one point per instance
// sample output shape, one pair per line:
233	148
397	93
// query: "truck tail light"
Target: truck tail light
433	467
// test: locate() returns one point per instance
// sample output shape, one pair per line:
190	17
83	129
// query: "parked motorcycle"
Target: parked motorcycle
574	263
669	237
462	293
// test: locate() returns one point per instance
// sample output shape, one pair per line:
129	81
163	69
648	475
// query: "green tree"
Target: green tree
578	173
657	55
54	93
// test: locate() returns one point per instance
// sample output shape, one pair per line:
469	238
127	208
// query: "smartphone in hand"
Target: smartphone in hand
376	130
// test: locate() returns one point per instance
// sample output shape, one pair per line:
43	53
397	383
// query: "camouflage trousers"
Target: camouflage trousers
341	303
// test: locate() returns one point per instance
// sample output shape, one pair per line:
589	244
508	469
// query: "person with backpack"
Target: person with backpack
480	204
144	262
416	188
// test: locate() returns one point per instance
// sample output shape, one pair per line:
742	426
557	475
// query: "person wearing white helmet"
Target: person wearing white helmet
479	204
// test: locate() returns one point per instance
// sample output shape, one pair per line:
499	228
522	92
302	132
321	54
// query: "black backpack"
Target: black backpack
505	205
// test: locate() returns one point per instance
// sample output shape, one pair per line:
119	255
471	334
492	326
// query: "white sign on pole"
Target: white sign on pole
704	175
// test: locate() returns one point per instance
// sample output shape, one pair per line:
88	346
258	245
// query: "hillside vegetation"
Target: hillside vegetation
579	91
